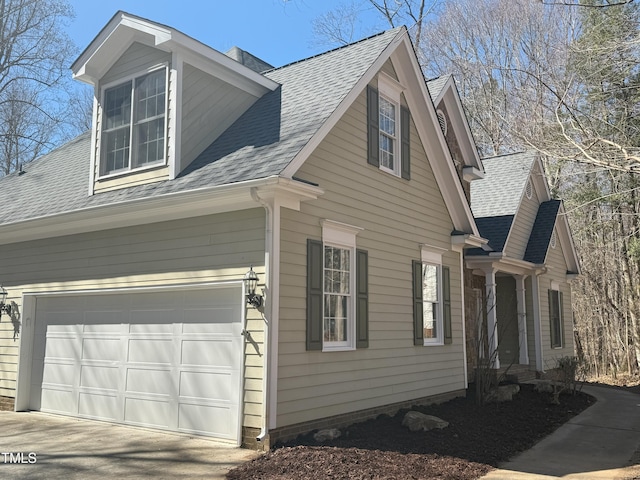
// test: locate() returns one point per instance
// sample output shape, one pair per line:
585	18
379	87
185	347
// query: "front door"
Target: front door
507	315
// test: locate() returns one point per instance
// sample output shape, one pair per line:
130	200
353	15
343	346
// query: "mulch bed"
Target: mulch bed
476	440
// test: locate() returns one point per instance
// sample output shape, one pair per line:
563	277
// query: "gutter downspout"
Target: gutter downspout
272	250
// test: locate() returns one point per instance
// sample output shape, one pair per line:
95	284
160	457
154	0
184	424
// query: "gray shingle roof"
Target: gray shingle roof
260	144
435	86
540	237
500	191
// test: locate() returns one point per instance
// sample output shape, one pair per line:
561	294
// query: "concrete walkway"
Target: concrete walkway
37	446
600	443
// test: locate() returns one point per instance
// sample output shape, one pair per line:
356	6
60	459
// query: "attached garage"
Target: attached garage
168	359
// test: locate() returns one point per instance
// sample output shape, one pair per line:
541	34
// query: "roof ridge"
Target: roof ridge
506	155
341	47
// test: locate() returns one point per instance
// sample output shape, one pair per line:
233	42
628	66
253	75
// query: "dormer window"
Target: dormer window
134	131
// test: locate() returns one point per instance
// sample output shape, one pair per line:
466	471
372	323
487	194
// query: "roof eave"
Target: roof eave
173	206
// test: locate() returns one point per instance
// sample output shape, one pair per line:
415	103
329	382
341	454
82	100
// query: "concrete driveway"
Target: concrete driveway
52	447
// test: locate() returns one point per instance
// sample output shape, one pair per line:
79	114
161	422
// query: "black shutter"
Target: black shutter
373	127
418	331
315	294
446	304
405	129
362	299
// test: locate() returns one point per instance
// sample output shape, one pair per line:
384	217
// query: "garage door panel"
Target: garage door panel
62	348
219	352
218	385
170	359
60	374
107	326
102	349
99	405
60	401
146	380
163	317
151	329
148	412
151	351
214	320
95	376
207	418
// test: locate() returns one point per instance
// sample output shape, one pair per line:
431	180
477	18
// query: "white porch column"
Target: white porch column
522	319
492	319
537	325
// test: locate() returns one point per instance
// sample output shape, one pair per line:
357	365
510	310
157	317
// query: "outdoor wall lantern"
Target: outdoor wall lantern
250	284
4	308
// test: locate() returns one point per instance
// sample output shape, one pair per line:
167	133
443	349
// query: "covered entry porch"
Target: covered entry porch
503	315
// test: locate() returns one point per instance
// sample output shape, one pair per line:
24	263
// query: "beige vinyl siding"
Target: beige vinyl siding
195	250
557	268
209	107
132	179
522	225
136	60
397	216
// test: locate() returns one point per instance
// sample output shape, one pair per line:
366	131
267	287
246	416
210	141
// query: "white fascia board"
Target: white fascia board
430	134
124	29
295	164
566	241
466	240
504	264
192	203
470	173
462	123
207	55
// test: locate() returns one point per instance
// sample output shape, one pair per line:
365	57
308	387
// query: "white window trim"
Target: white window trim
390	89
99	130
555	287
341	235
433	256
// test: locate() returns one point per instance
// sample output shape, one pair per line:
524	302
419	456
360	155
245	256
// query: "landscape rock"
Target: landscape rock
503	393
544	386
417	421
326	434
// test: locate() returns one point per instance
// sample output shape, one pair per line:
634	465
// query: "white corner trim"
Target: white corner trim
339	233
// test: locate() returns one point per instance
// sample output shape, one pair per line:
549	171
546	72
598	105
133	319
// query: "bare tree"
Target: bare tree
34	56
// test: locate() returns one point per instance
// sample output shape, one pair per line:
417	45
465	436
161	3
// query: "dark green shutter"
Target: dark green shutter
418	331
315	294
405	129
362	299
373	127
560	320
446	304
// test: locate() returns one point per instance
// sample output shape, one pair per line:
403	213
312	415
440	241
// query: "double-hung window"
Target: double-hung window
555	317
431	299
388	139
134	123
337	290
388	128
431	303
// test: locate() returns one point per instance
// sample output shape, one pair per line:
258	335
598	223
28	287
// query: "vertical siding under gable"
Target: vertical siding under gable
397	216
522	226
195	250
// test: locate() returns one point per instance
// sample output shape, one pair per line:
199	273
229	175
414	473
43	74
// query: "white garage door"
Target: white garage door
168	360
